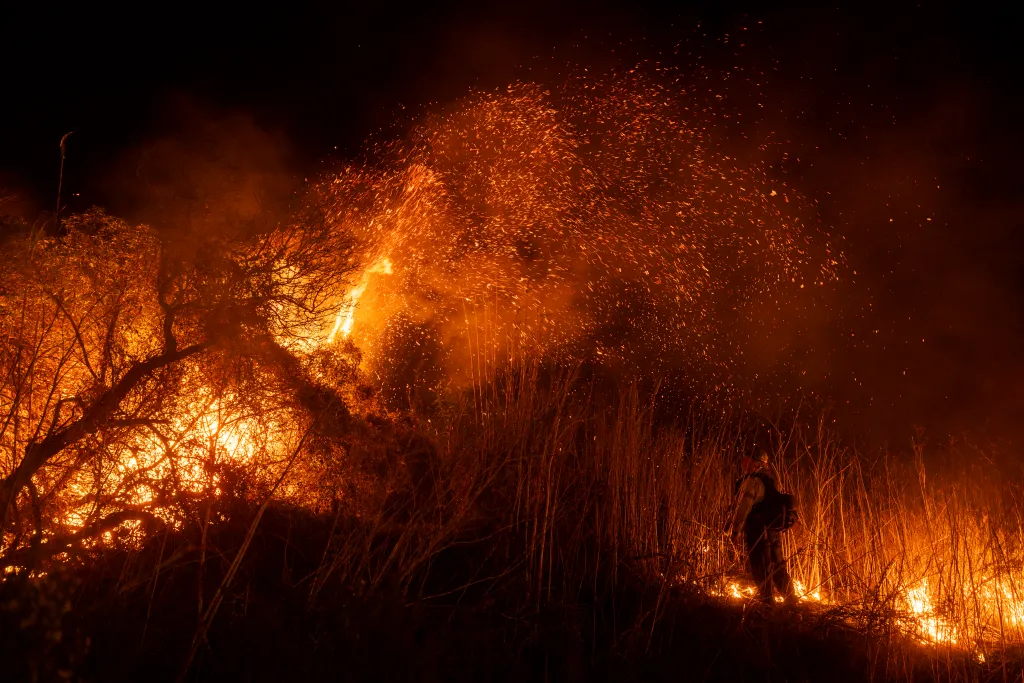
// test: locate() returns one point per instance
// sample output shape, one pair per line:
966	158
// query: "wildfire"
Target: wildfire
346	316
924	618
515	237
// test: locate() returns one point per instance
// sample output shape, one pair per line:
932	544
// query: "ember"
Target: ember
462	335
514	235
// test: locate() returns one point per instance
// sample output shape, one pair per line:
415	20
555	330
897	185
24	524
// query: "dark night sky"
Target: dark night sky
903	113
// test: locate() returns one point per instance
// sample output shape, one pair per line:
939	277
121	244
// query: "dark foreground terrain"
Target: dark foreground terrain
118	620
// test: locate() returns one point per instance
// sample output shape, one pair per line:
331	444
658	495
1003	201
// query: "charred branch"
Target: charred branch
36	554
99	414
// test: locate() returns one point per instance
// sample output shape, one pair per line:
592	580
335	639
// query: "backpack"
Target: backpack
776	509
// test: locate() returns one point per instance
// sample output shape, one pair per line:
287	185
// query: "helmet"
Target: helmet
754	463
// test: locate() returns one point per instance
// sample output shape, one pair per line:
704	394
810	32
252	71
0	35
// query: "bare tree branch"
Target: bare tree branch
99	414
33	555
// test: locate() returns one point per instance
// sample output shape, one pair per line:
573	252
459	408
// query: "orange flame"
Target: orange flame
346	315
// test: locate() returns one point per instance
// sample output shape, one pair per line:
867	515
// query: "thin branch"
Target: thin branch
60	177
33	555
78	333
38	453
218	596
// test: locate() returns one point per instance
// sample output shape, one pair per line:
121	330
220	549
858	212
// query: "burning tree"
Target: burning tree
136	366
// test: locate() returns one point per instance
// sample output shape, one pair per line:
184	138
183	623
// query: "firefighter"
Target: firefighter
761	513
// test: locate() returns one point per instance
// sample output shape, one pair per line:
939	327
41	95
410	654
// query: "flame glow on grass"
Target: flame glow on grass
924	618
920	618
741	589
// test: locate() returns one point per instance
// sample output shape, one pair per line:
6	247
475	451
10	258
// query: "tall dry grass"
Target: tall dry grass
572	491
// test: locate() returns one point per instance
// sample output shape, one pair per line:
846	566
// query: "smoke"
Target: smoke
639	221
933	314
598	222
202	169
548	218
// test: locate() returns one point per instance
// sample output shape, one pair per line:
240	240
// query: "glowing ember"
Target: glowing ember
513	233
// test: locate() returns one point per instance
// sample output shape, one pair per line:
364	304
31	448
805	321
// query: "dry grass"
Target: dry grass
538	489
572	494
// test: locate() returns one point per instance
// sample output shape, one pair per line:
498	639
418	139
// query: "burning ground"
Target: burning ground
506	366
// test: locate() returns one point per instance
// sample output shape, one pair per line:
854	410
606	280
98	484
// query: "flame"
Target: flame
739	591
997	600
805	595
743	590
346	315
924	618
211	433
